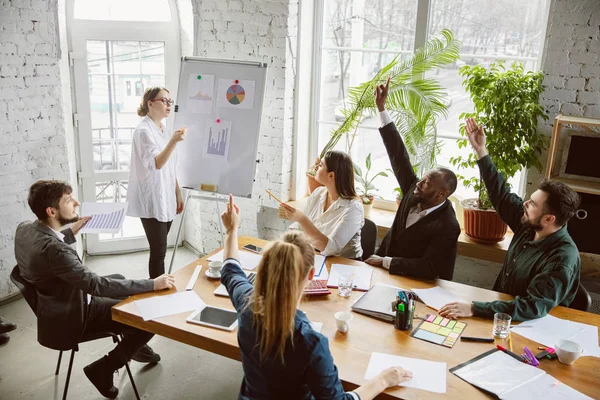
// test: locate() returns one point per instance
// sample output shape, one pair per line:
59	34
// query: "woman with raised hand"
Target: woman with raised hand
282	356
333	216
153	193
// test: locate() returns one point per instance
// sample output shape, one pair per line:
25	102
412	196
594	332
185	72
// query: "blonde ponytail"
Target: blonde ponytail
280	276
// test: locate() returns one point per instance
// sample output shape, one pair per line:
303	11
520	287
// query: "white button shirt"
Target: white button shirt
341	223
151	191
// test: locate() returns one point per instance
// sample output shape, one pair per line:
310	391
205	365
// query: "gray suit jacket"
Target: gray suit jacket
62	282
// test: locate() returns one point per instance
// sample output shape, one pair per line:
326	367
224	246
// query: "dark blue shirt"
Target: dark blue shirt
308	372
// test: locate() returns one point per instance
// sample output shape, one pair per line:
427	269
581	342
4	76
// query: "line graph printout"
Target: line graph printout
200	93
106	217
217	136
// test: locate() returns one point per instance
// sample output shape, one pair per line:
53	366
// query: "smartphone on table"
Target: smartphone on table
253	248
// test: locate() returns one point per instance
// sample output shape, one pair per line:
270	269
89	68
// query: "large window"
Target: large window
359	37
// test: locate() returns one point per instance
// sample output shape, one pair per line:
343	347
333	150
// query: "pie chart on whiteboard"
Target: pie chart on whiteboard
235	94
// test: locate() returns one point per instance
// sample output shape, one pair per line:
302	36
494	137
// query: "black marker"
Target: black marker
476	339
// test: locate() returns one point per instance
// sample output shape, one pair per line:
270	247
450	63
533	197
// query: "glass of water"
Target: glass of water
501	325
345	285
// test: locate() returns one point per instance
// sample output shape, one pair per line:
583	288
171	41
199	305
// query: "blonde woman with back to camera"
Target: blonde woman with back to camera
153	193
282	356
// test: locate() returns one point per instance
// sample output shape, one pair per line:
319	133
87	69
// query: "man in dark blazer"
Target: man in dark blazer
422	241
64	311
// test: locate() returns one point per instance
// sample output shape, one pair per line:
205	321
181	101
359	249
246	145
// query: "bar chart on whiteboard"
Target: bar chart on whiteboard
218	136
106	217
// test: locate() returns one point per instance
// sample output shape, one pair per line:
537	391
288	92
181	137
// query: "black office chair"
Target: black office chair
582	300
368	238
30	295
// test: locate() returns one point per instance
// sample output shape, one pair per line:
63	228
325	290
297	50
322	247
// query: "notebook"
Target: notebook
499	374
377	302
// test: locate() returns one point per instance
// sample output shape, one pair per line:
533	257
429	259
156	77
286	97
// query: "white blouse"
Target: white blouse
151	191
341	223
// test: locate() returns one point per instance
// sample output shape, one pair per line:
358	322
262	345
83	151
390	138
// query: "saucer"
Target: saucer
211	276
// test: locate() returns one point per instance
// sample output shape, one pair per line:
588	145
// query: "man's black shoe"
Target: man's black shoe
145	355
101	375
4	338
6	327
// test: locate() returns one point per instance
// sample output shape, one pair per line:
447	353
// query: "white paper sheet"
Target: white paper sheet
217	137
236	93
248	260
498	373
161	306
545	387
548	330
200	93
427	375
106	217
321	272
435	297
362	276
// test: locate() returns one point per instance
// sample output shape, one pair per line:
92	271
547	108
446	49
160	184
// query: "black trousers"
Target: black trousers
99	320
156	232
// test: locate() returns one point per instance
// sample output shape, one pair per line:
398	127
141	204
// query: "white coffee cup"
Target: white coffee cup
568	351
214	268
342	320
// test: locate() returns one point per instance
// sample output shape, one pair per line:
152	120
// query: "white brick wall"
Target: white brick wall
571	60
32	137
263	31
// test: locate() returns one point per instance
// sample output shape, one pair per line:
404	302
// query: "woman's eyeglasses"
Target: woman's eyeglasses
165	101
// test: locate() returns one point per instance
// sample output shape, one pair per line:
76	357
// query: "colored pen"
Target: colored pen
510	353
273	196
476	339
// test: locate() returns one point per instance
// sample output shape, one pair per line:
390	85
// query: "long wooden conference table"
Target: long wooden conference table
352	351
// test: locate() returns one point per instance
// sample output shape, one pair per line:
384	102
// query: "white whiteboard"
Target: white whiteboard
221	103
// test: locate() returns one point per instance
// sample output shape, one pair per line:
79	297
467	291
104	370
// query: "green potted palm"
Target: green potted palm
415	102
366	190
506	104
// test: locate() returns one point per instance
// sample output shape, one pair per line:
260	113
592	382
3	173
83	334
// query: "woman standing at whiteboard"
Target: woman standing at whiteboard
333	216
153	193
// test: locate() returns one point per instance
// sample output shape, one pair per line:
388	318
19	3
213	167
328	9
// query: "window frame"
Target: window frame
421	35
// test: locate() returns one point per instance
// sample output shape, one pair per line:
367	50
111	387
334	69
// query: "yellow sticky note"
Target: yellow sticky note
428	326
438	320
444	331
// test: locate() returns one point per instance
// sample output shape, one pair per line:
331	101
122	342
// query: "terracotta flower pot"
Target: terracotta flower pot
398	201
483	226
367	207
312	183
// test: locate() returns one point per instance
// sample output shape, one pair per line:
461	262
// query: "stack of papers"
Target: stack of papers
426	375
161	306
548	330
361	280
435	297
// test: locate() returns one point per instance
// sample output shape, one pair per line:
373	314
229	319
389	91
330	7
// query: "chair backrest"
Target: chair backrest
26	288
582	300
368	237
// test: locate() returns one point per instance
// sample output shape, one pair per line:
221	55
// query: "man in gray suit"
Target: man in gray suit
64	314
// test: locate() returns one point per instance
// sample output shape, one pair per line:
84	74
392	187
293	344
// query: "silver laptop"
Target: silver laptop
222	291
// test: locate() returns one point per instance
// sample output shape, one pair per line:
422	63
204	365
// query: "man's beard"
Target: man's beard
65	221
535	225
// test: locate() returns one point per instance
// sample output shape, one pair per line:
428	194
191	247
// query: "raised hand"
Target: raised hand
381	93
476	137
231	216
